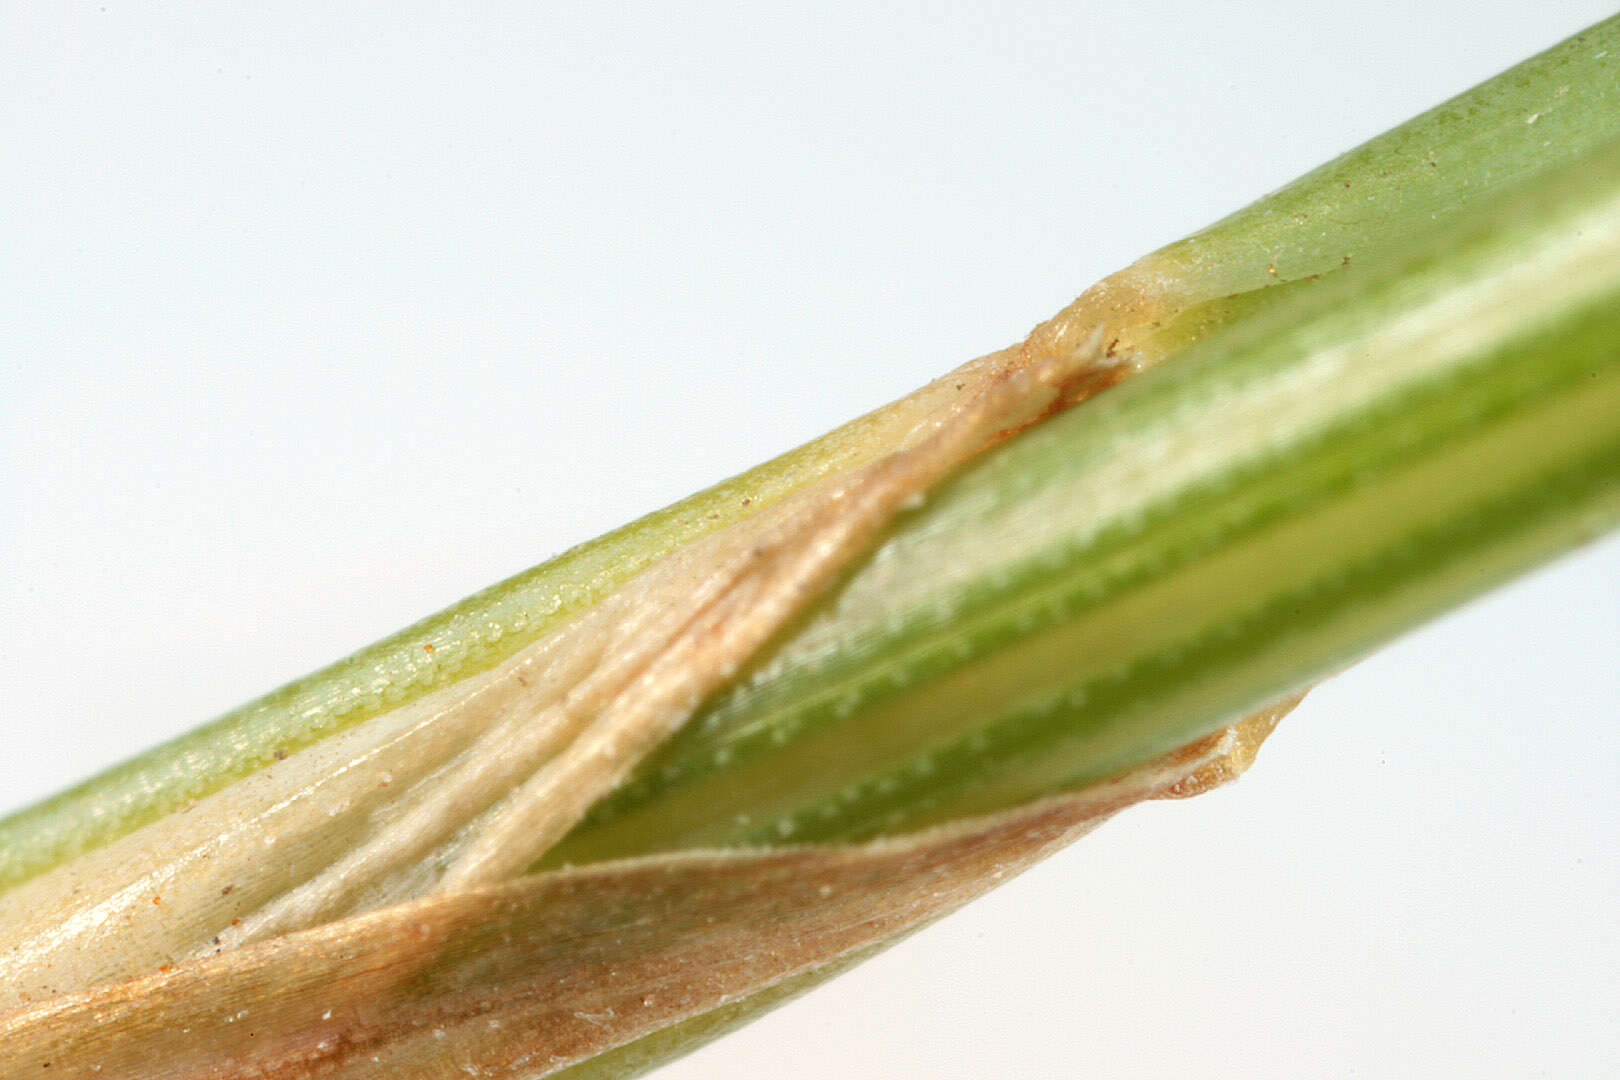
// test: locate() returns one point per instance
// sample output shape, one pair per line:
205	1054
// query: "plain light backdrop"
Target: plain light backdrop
316	318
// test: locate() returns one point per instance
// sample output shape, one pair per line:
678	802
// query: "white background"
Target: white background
315	319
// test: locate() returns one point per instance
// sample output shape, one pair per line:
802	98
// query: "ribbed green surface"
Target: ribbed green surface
1365	206
1212	534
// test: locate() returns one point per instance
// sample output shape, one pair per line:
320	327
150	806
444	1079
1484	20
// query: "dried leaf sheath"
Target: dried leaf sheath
474	785
531	977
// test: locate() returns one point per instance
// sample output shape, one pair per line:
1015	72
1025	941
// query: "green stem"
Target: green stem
1290	493
1371	211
